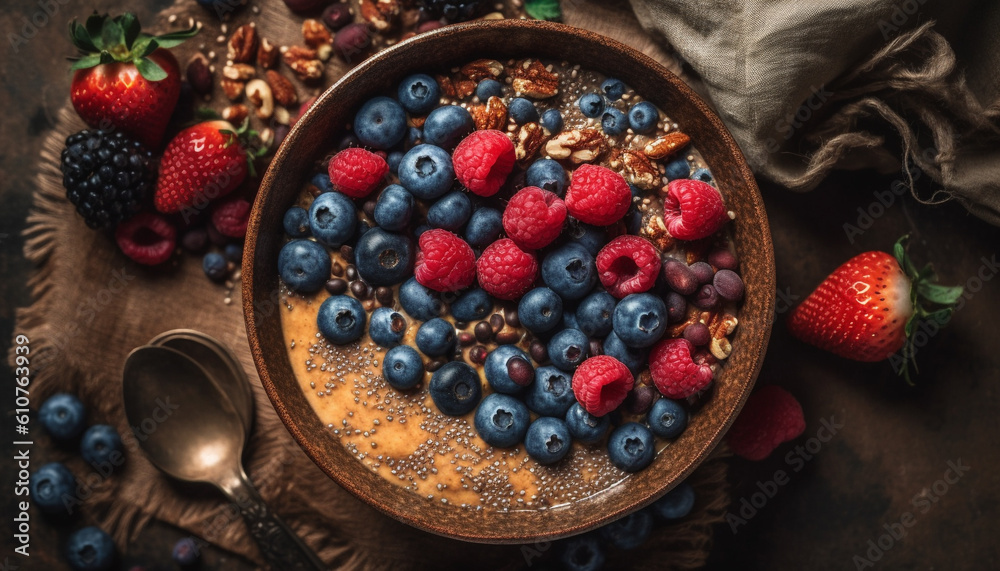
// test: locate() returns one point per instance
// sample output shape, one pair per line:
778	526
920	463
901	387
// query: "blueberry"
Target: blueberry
704	175
455	388
489	88
214	266
667	418
582	553
591	104
630	531
101	446
594	314
508	369
613	88
419	93
569	318
522	111
451	211
402	367
547	174
590	237
502	420
484	227
296	222
419	302
341	319
304	265
394	208
363	227
552	120
50	485
90	549
472	305
420	230
569	270
384	258
380	123
643	116
552	392
633	358
447	125
233	252
547	440
568	348
185	552
322	181
386	327
540	310
414	136
640	319
332	219
678	168
436	338
584	426
677	503
63	416
631	447
393	159
613	122
426	171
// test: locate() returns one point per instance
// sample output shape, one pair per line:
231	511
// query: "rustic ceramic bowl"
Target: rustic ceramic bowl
313	137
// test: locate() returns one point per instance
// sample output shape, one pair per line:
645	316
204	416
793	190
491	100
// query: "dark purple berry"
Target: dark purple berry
698	334
679	276
729	285
194	240
723	259
641	399
703	272
520	371
186	552
338	15
538	351
596	347
676	306
706	298
352	41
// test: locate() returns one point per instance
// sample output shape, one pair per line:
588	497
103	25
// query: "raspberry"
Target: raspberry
601	384
444	261
147	238
534	217
770	417
597	195
230	217
676	374
356	172
628	264
506	271
483	160
693	209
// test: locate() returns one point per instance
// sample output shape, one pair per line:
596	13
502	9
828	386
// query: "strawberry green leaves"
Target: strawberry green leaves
105	40
543	9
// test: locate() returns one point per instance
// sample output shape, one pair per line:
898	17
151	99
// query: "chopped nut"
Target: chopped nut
416	121
235	114
654	230
239	72
317	37
493	115
635	167
447	87
529	77
267	54
578	145
666	145
232	88
527	140
243	44
282	88
482	69
464	87
304	62
692	316
199	74
282	116
260	95
381	14
721	326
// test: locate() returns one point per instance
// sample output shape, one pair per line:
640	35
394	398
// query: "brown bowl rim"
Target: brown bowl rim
469	525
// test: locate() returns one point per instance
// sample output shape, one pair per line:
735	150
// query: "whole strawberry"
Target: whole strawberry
201	164
868	307
125	80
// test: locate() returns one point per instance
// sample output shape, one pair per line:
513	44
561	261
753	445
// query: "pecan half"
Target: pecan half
232	88
282	88
267	54
578	145
304	62
447	86
529	77
667	145
527	140
635	167
482	69
239	72
243	44
493	115
381	14
318	37
235	114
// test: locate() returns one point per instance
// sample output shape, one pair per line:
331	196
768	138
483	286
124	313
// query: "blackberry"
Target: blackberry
107	176
452	10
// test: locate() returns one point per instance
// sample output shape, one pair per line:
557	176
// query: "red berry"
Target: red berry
483	160
444	261
231	217
601	384
534	217
147	238
357	172
202	163
506	271
676	374
597	195
628	264
770	417
693	209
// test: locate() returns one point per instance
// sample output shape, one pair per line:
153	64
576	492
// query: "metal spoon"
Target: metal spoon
201	439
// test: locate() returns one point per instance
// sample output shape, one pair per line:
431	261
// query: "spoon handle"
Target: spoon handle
279	545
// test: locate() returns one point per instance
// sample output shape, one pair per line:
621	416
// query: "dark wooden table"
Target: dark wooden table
878	458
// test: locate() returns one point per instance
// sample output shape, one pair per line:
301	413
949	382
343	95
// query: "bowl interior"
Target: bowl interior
313	137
